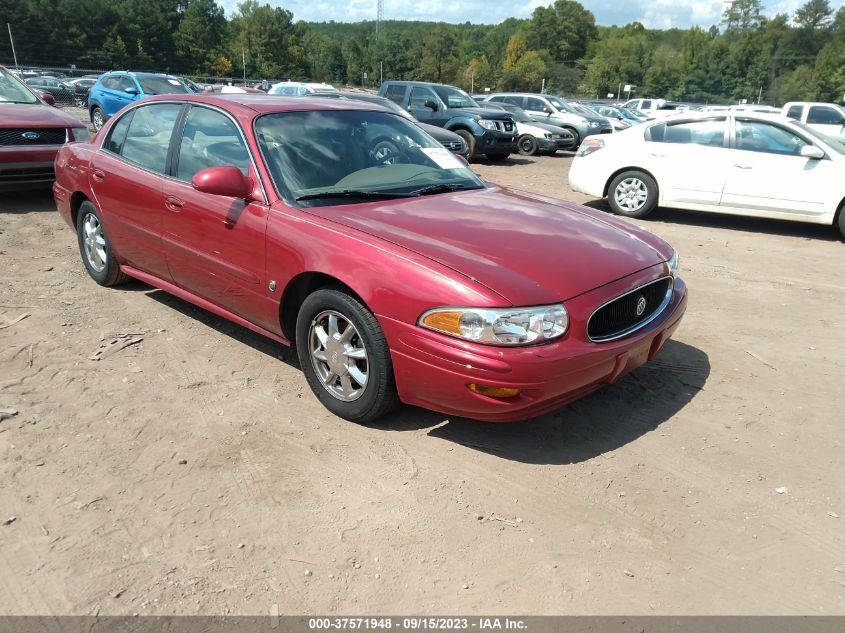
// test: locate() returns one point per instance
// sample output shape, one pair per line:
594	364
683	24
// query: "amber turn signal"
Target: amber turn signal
495	392
448	322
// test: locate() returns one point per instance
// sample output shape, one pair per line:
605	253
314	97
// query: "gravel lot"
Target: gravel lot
194	472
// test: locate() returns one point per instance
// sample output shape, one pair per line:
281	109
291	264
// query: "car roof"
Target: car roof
263	104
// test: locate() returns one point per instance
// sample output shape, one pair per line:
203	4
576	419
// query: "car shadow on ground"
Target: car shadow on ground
510	161
602	422
31	201
747	224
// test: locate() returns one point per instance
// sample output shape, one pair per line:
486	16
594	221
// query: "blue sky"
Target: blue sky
652	13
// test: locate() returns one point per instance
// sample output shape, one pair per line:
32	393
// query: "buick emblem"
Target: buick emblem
641	304
31	136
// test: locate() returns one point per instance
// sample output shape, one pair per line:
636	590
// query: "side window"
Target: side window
761	136
109	82
396	93
148	137
114	143
419	96
708	132
125	82
537	105
210	139
794	112
825	115
517	101
646	104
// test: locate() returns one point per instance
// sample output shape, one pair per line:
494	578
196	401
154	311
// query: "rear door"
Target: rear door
215	244
767	172
689	159
115	96
127	178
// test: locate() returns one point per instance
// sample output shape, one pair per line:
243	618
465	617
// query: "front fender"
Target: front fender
464	122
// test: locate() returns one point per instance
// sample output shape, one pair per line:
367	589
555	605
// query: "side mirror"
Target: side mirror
812	152
131	91
430	103
224	180
46	97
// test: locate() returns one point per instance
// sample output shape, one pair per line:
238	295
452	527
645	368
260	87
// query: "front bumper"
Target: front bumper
494	142
433	371
24	167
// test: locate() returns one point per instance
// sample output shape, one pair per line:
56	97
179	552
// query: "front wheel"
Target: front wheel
576	138
98	119
842	221
344	355
469	140
527	145
632	194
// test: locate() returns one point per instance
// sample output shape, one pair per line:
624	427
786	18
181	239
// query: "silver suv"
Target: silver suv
556	111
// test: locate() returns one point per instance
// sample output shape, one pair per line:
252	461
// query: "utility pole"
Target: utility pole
543	87
14	55
471	83
243	59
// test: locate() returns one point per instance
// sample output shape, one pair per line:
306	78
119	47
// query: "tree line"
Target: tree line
749	55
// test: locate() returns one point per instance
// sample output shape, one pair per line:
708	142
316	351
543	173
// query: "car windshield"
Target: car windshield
387	103
562	105
329	157
152	85
13	91
834	143
455	98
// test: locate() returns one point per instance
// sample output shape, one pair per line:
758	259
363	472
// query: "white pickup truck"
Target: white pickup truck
827	118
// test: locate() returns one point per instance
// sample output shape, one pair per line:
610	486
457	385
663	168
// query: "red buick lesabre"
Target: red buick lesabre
344	230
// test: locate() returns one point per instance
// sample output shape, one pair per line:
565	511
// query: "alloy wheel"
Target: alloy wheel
338	355
94	242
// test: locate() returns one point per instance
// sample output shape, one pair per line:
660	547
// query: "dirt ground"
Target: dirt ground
194	472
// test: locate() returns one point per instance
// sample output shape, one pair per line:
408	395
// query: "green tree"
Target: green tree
439	62
814	14
478	75
200	36
742	15
565	29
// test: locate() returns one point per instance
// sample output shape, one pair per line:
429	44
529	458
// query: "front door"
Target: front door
215	244
767	173
127	179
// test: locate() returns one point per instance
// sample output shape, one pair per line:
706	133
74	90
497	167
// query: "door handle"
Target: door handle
98	175
657	155
743	166
174	204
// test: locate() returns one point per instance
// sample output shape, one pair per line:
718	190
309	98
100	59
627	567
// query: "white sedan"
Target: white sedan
740	163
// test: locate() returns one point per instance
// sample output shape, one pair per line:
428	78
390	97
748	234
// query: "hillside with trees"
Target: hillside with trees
749	55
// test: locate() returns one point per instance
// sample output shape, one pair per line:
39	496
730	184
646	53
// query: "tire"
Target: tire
527	145
576	138
632	194
842	221
386	153
469	139
79	102
98	118
95	249
325	362
497	158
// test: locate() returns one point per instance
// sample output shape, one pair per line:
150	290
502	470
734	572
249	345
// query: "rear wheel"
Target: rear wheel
632	194
527	145
344	355
842	220
98	119
469	139
94	246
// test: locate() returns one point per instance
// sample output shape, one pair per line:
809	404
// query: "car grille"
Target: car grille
453	146
43	136
619	317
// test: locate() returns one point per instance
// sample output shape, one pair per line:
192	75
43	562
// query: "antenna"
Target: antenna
379	16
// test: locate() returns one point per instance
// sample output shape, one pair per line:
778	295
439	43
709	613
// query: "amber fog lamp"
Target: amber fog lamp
495	392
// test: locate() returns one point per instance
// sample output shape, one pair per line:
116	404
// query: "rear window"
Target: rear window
825	115
795	112
709	132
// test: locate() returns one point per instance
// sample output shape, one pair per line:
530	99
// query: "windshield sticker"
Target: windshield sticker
173	82
443	157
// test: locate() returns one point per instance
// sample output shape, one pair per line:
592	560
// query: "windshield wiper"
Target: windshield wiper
441	188
352	193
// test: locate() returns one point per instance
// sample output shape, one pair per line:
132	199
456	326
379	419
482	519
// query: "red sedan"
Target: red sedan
31	133
410	280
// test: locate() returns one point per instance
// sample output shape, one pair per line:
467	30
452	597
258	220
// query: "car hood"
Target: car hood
35	115
438	133
554	129
496	115
528	249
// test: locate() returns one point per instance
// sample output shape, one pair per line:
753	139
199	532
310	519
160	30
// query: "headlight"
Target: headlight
594	124
547	135
80	133
674	263
487	124
499	326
